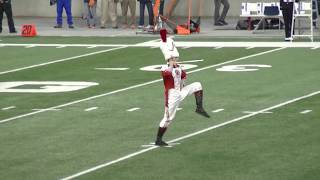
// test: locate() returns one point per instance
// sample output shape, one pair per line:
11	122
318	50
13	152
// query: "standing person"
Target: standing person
66	4
125	5
161	7
287	10
5	6
174	84
144	3
108	9
219	19
91	9
84	9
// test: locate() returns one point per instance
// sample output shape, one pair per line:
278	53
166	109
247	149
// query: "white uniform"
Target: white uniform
169	49
173	78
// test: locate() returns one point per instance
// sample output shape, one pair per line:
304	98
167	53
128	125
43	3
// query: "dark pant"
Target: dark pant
6	7
144	3
161	7
217	15
66	4
287	10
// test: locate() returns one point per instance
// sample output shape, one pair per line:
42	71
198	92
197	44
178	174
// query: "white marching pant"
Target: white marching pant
174	99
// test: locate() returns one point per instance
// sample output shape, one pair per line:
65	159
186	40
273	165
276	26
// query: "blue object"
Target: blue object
271	11
66	4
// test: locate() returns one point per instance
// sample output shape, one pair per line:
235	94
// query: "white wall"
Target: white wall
41	7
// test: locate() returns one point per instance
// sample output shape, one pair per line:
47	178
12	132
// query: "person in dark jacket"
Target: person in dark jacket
5	6
287	7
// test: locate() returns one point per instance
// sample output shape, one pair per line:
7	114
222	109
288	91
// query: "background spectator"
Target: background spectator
108	9
66	4
161	7
5	6
125	4
91	11
143	4
219	19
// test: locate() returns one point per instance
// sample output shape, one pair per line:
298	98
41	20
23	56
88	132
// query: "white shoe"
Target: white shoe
288	39
149	27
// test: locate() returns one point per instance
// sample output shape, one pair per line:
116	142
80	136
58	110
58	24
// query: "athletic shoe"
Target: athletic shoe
58	26
224	22
202	112
219	23
161	143
288	39
71	26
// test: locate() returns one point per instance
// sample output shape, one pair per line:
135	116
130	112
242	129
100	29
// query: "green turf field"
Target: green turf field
264	123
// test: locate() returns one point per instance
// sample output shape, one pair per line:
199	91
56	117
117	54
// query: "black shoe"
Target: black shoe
202	112
115	27
219	23
224	22
14	31
71	26
58	26
160	143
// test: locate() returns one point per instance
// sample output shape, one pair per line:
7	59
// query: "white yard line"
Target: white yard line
117	46
61	60
133	87
112	69
252	112
7	108
238	59
133	109
187	136
30	46
191	61
47	109
305	111
236	44
217	110
314	48
91	109
181	44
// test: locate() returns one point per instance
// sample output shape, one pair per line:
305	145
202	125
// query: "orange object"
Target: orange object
182	30
156	7
28	30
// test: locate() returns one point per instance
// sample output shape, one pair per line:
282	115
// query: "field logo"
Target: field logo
242	68
43	86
